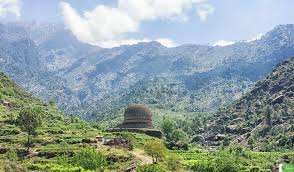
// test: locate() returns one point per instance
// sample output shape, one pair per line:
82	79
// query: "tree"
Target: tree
250	142
179	135
168	126
268	115
156	149
52	103
28	120
226	141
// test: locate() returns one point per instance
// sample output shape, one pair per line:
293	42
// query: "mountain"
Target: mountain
97	83
263	117
56	127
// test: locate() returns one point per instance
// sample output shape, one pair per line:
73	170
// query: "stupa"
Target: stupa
138	119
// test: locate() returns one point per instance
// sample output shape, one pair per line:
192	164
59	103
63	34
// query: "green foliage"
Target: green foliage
151	168
90	159
226	141
52	103
288	167
179	135
167	127
12	155
156	149
173	162
54	167
268	111
62	160
8	92
29	119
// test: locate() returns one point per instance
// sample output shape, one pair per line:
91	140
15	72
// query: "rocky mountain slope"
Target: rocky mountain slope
263	117
96	82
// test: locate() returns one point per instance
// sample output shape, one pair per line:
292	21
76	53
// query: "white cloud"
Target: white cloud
153	9
223	43
103	24
108	26
204	10
10	7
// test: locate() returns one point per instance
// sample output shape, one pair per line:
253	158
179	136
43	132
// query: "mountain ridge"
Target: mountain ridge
79	81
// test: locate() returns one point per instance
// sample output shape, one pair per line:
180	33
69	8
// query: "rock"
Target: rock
220	137
197	138
244	130
3	150
276	88
236	121
232	129
278	100
88	140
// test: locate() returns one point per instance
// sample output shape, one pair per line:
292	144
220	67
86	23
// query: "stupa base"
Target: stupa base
148	131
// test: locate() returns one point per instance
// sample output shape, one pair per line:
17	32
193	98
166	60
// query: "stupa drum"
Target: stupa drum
138	119
137	116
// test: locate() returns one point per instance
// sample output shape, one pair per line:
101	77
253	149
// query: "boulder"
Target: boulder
232	129
278	100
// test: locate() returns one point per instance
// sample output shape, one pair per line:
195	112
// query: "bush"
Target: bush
156	149
202	166
90	159
173	162
151	168
12	155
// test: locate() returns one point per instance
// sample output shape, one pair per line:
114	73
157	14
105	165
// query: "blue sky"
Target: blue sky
111	23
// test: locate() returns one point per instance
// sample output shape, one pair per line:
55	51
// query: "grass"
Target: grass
288	167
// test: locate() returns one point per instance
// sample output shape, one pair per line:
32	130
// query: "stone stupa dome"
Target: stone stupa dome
137	116
137	119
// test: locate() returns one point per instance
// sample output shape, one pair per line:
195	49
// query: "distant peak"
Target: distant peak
282	28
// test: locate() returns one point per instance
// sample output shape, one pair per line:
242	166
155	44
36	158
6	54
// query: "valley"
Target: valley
219	108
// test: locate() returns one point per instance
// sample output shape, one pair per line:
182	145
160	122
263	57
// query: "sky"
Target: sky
110	23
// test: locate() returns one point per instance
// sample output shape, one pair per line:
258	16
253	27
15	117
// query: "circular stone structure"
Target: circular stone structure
137	116
137	119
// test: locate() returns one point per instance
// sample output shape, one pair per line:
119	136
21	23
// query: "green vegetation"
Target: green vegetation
288	167
156	149
28	120
65	143
90	159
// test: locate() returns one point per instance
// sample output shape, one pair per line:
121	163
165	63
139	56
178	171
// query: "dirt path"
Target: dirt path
139	154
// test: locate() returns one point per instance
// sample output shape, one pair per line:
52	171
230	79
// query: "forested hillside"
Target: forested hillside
261	119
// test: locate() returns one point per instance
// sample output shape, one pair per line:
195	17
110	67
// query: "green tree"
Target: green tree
52	103
156	149
268	111
168	126
28	120
179	135
250	142
226	141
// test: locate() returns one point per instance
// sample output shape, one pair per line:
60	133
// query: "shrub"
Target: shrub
173	162
156	149
151	168
90	159
12	155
